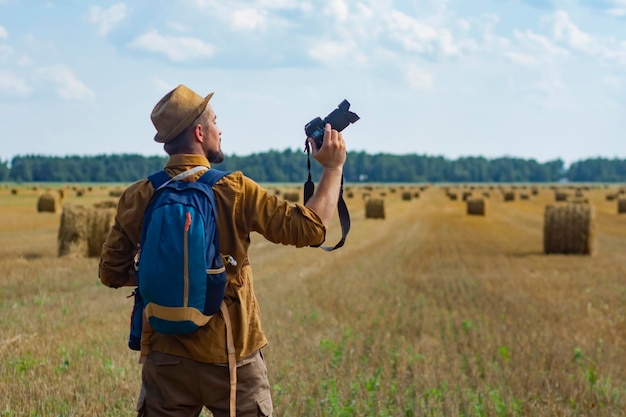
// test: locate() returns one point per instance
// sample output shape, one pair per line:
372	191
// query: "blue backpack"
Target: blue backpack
181	276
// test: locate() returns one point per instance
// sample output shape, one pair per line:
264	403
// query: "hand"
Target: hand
333	152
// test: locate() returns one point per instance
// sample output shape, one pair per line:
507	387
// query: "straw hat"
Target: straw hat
175	111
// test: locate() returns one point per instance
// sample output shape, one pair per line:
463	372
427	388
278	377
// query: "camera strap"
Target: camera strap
342	209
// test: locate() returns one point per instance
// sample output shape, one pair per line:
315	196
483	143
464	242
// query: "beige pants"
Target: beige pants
179	387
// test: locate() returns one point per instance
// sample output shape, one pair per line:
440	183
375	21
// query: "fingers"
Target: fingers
333	138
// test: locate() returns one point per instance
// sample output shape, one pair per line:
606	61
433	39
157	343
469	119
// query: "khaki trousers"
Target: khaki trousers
173	386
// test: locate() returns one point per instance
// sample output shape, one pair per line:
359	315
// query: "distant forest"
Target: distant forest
290	166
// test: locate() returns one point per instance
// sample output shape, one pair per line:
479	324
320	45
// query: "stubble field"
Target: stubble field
429	312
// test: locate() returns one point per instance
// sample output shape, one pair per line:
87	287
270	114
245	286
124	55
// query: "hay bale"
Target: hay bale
509	196
83	230
61	193
407	196
560	196
116	192
106	204
621	205
49	202
14	191
99	221
569	229
611	197
72	235
475	206
291	196
375	208
452	196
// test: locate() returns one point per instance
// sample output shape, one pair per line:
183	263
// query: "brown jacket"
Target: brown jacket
243	206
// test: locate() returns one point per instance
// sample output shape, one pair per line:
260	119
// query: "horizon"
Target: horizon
527	79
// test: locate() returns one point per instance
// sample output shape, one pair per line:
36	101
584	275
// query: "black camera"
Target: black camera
339	119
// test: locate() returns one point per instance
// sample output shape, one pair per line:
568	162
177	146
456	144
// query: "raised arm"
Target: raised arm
331	156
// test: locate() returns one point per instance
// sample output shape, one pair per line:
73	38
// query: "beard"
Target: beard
215	157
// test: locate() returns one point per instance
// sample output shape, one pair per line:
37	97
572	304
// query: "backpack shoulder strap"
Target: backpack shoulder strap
159	178
211	176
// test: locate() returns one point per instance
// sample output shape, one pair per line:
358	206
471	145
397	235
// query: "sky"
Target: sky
532	79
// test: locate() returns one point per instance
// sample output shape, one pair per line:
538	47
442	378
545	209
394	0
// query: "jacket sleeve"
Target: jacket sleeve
278	220
117	260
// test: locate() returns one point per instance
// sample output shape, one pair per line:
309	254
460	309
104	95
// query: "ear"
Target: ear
198	133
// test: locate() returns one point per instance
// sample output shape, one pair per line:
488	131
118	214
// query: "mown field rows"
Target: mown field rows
429	312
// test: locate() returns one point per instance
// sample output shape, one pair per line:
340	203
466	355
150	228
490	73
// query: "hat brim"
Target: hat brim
185	122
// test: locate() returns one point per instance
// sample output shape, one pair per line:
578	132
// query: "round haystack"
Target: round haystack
72	236
524	196
466	195
105	204
452	196
99	221
611	197
560	196
621	205
14	191
407	196
49	202
116	192
291	196
476	206
375	208
569	229
83	230
509	196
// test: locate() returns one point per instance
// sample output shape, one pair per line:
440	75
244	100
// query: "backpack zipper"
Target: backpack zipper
186	258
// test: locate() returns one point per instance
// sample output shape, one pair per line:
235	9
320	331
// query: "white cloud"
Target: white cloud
532	40
418	37
523	59
178	27
618	12
331	51
13	85
67	85
614	7
3	32
567	31
249	19
338	9
283	4
107	19
418	78
175	48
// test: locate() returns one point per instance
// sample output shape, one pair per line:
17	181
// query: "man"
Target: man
184	373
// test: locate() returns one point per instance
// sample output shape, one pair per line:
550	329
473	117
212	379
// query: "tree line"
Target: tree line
291	166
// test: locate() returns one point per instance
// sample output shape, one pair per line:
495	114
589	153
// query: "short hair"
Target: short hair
181	143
